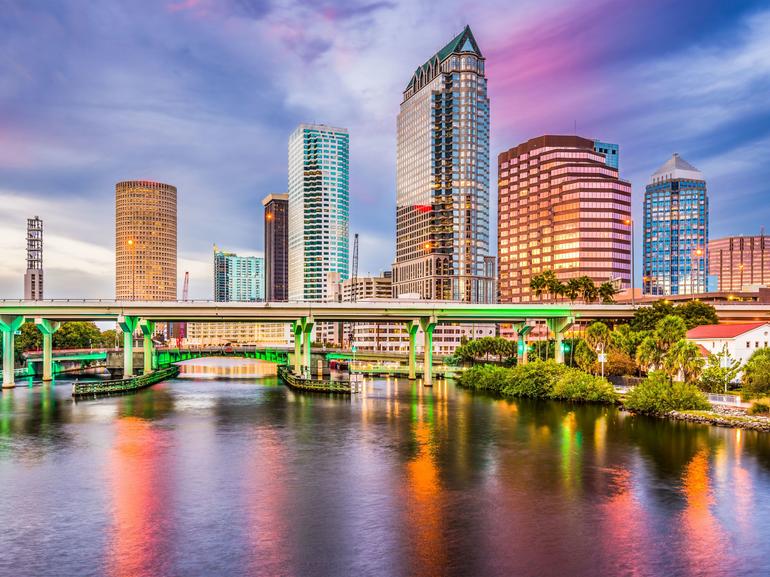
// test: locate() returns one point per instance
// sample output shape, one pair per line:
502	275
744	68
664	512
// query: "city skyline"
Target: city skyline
89	125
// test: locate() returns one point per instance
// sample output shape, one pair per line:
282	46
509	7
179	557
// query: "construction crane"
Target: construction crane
354	274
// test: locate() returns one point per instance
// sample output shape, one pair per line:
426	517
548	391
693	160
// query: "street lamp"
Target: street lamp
699	252
132	248
630	222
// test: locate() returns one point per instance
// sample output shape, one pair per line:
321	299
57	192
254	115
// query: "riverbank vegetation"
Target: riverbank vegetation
539	380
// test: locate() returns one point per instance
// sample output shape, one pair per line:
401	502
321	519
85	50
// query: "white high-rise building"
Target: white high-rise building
319	200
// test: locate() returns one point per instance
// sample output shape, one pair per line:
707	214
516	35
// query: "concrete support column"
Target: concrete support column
411	328
9	324
522	329
559	326
296	329
428	324
148	328
307	329
47	329
128	326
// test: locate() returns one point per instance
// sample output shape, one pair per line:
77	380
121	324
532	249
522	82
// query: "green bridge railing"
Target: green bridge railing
166	357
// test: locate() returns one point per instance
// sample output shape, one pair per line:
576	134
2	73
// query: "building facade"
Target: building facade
238	278
33	277
319	202
562	207
209	334
610	151
738	262
145	241
442	178
676	223
276	247
737	341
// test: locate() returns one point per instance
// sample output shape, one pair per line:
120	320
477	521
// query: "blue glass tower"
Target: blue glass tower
676	217
610	151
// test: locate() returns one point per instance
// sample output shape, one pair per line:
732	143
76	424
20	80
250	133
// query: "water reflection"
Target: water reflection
226	368
244	477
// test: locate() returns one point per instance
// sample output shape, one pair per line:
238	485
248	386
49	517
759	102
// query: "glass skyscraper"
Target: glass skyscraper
319	204
676	217
442	178
238	278
610	151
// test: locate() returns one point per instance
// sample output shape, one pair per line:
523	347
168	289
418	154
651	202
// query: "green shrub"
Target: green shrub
657	395
485	378
756	374
760	407
534	380
575	385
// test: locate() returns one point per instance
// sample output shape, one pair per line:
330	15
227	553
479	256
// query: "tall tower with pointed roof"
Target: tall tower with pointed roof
442	178
676	224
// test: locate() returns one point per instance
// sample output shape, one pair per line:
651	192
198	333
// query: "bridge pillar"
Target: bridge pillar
148	328
296	329
559	326
411	328
522	329
307	328
47	329
128	326
428	325
9	324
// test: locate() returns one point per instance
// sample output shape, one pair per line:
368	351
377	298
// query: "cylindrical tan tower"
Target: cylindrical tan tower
145	241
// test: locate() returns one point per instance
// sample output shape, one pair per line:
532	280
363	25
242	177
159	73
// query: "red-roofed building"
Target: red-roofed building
739	340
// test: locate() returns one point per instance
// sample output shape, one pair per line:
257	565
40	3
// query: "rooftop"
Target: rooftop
674	168
722	331
463	42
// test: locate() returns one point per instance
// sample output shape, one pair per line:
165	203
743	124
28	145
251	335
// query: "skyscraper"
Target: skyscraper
739	262
562	207
276	247
145	241
318	209
442	177
238	278
33	278
676	216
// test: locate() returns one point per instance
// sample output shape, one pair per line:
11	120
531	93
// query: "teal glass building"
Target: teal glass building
676	216
319	207
238	278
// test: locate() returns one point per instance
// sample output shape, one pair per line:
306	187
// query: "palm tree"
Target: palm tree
607	292
648	355
551	282
573	289
669	330
684	358
538	285
588	289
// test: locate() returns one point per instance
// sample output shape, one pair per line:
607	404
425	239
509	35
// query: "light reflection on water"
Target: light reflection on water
230	368
240	476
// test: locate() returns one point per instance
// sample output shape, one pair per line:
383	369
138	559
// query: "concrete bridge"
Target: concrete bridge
134	315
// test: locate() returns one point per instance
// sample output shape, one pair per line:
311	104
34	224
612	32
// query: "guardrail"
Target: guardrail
318	386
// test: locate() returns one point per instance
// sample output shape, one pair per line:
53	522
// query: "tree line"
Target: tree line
582	287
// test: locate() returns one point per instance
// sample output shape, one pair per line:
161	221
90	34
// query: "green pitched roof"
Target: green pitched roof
463	42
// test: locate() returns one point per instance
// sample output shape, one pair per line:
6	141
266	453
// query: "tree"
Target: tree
623	338
647	318
756	373
538	285
619	363
110	338
683	359
598	336
573	289
77	335
669	330
585	357
648	355
720	371
607	292
588	289
696	313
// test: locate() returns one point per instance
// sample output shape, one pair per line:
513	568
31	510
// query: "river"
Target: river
226	472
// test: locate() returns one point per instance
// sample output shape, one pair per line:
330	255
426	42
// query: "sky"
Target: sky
203	94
